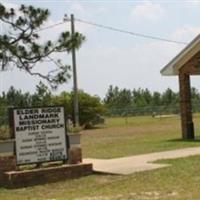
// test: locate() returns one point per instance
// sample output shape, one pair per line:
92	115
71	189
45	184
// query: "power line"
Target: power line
51	26
131	33
116	30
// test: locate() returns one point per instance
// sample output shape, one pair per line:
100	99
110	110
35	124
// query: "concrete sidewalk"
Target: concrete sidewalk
138	163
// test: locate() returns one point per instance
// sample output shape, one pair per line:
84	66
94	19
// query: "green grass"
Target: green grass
178	182
119	138
137	135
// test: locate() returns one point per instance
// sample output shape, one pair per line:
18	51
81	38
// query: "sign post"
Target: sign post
40	134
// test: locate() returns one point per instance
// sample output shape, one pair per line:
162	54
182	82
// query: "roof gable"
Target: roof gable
172	68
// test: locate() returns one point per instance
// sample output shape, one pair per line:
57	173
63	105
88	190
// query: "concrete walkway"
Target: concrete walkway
138	163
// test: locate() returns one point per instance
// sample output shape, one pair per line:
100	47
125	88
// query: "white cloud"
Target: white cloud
147	11
100	10
131	67
192	3
77	8
4	27
186	33
10	5
82	10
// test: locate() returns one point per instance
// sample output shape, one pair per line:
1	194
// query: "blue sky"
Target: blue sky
112	58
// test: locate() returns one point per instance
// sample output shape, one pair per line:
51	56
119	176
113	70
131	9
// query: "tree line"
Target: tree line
90	107
143	101
117	102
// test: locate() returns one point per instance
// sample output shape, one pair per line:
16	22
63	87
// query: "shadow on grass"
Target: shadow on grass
197	139
95	127
98	173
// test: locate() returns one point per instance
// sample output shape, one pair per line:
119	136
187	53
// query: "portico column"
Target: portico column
186	107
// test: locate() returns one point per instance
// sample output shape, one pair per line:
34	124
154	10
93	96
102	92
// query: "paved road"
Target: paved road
131	164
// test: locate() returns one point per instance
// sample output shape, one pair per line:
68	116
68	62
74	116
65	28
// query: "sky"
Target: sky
114	58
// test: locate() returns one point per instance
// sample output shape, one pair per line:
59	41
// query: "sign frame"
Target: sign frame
12	124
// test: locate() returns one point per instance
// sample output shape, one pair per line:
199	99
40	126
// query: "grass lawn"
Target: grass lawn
179	182
137	135
120	138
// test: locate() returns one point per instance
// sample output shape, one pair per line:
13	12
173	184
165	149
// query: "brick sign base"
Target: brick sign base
17	179
7	163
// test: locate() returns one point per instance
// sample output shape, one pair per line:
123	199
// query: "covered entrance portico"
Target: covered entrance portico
186	63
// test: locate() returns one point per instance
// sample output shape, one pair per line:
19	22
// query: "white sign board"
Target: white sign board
40	134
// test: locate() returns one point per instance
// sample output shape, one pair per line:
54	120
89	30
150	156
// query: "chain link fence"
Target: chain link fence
140	111
153	111
120	112
149	110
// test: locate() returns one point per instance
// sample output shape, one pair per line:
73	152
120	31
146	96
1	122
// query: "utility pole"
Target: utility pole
75	96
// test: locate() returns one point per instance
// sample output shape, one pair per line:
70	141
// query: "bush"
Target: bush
4	132
90	107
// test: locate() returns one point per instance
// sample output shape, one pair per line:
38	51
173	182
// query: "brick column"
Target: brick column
186	107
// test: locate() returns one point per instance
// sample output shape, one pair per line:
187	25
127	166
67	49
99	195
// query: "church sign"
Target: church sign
40	134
